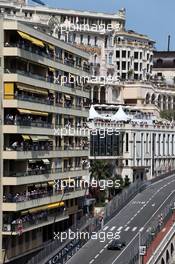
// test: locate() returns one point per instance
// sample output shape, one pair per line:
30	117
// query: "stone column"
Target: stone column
99	92
92	93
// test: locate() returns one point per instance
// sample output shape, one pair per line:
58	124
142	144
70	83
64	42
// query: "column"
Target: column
99	91
92	93
172	103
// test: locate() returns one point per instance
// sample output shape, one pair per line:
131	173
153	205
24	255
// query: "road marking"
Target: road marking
141	229
134	228
120	228
91	261
101	250
97	256
126	229
106	246
105	228
153	204
112	228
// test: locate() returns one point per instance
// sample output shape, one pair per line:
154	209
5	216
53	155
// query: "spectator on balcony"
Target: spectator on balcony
14	145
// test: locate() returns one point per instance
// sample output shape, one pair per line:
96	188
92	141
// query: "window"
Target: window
123	53
81	39
136	66
123	76
136	55
110	41
136	76
89	39
95	41
118	65
110	58
147	143
123	65
117	54
74	37
126	162
128	54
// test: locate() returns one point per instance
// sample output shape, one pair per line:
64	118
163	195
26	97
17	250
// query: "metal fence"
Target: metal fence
63	251
155	227
119	201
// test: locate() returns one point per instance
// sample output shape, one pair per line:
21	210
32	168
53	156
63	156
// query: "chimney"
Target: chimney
169	40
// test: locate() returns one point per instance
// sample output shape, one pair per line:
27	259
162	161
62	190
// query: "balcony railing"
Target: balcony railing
38	171
29	74
49	79
44	148
28	123
33	221
57	58
38	194
34	99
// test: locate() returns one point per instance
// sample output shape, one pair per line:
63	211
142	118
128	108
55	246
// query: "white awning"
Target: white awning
93	113
120	115
46	161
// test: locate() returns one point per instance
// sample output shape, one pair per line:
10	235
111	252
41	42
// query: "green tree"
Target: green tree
100	170
168	114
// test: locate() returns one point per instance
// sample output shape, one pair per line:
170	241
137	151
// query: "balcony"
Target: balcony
23	77
35	152
12	49
28	224
37	175
23	201
27	103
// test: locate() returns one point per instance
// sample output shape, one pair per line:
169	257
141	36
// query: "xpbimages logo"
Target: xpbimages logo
101	184
101	235
101	28
85	131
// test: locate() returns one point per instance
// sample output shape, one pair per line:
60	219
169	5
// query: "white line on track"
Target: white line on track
143	226
114	227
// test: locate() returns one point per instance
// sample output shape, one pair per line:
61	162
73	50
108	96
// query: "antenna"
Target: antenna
169	41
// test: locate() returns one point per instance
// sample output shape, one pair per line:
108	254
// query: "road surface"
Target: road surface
134	218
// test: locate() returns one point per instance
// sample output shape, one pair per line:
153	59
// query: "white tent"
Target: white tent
93	114
120	115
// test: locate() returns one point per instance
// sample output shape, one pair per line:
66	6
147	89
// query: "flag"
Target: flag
39	2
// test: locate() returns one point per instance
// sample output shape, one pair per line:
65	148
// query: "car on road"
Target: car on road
116	245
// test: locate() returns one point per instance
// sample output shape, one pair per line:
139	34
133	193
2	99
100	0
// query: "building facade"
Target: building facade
38	160
137	143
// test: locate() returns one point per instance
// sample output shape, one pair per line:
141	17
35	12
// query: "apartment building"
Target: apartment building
164	67
138	144
40	97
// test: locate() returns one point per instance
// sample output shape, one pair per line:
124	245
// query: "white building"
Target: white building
141	145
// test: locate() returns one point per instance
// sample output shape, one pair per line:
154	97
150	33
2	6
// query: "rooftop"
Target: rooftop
45	9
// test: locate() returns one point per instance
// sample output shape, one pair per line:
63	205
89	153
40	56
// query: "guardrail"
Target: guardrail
148	237
61	252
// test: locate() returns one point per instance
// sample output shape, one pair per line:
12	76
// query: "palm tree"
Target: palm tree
100	170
